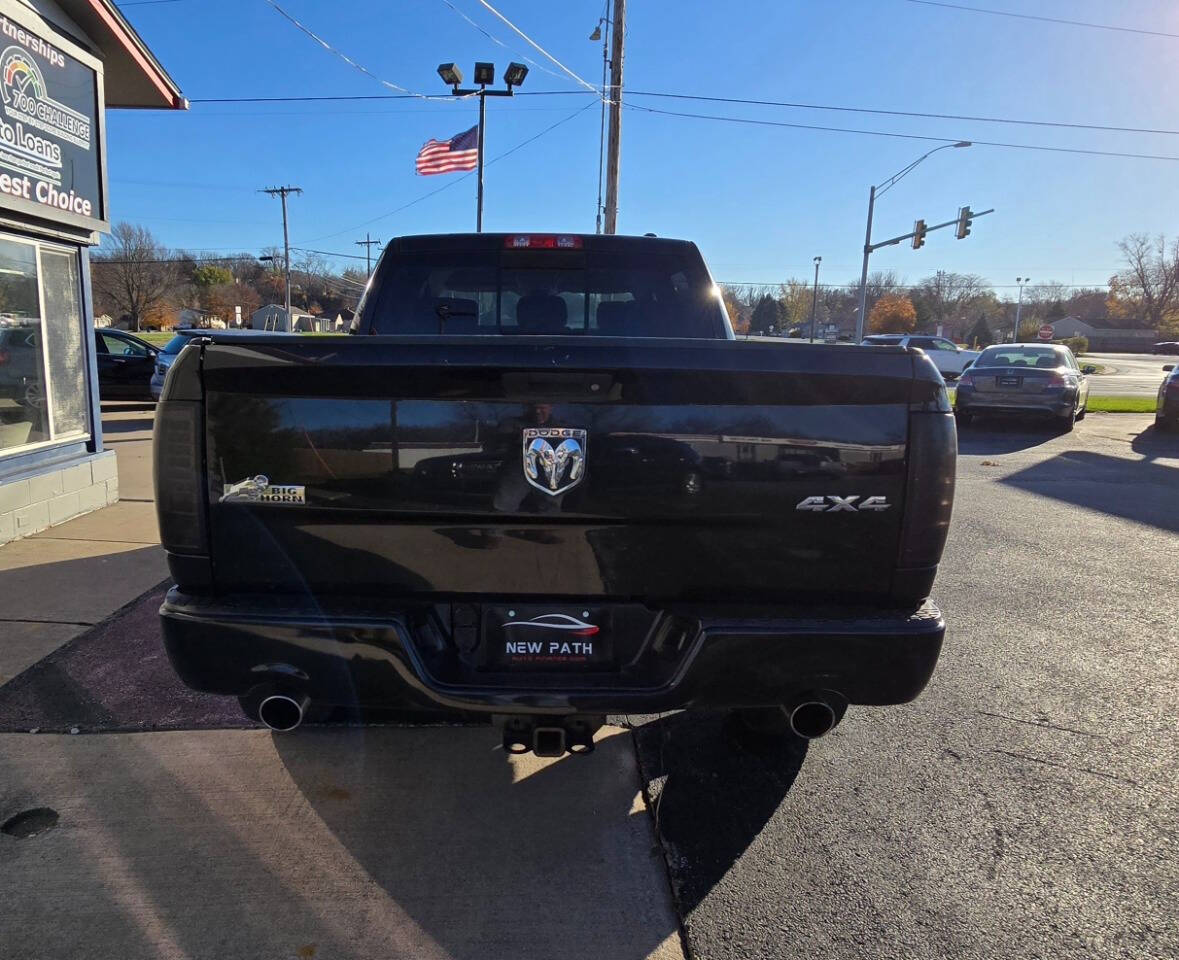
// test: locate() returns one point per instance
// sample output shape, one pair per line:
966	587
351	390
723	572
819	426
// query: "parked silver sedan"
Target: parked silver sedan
1024	379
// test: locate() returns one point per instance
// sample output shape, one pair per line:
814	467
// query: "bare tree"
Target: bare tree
134	275
1151	279
946	298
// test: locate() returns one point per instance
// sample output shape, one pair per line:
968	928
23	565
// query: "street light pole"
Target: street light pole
1019	307
815	299
872	195
482	123
864	272
484	74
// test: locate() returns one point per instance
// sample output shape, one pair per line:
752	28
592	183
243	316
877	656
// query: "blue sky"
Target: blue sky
760	201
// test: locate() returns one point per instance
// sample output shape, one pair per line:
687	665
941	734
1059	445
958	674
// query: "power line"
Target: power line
904	136
834	108
536	46
905	113
496	40
333	253
333	98
853	287
456	182
1030	16
348	60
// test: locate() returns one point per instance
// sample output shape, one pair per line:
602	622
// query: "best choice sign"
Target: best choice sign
50	156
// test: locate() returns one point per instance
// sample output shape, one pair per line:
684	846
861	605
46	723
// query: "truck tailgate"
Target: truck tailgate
400	466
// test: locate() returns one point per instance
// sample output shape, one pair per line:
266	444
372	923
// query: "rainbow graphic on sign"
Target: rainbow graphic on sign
24	75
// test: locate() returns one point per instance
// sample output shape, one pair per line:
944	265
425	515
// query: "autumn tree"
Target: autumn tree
223	299
796	297
892	314
210	275
738	316
133	275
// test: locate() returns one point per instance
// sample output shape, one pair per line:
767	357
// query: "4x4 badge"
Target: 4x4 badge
834	504
554	458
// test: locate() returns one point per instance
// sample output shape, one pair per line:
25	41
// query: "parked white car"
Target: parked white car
948	357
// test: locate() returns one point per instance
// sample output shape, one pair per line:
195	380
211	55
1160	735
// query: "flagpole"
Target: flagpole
482	118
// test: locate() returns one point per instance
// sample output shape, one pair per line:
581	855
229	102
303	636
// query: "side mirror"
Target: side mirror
1167	368
1088	368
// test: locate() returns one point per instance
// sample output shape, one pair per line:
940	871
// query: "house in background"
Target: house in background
337	322
197	318
1103	337
274	317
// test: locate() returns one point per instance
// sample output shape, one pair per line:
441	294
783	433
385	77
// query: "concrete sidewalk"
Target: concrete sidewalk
56	584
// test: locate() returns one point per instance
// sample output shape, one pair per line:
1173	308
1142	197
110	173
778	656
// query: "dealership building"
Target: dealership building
61	65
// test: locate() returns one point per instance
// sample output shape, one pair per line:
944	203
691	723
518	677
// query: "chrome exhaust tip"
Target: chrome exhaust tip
283	712
812	719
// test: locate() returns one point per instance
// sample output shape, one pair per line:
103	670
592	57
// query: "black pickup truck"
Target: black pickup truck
543	481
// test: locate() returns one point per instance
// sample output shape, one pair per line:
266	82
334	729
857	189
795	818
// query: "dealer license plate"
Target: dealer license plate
535	637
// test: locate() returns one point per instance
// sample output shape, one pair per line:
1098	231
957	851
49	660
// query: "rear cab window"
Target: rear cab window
605	288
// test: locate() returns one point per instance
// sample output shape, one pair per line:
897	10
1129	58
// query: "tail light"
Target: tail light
542	241
966	380
929	502
5	356
178	471
1061	380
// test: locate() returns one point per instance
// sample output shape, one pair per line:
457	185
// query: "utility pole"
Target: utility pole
286	243
1019	307
815	299
604	36
368	244
614	145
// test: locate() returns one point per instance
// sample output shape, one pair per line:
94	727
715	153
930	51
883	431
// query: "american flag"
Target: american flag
460	152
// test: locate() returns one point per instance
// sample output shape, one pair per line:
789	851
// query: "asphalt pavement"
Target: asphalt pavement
1025	804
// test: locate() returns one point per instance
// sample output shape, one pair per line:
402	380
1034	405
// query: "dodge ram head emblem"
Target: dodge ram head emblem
554	458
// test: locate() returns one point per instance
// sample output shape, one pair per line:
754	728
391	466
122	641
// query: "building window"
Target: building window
43	394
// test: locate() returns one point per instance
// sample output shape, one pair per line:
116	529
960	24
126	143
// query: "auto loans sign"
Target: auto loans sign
49	153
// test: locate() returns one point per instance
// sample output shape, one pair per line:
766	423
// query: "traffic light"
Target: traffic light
918	234
965	218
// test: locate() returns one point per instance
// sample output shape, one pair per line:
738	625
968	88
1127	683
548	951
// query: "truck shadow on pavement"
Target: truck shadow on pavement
554	856
713	786
1153	442
488	855
1140	490
1004	436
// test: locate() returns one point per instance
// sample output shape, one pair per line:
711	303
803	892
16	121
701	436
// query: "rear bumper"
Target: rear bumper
1050	405
355	653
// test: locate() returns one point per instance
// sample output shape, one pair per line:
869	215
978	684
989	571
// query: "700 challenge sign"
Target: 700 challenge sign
49	154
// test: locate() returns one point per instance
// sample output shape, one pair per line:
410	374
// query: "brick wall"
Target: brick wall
33	504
